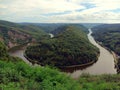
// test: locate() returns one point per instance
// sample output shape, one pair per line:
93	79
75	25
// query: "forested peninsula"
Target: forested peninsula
69	47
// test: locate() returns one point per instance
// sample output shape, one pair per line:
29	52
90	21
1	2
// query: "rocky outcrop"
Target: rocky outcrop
14	34
13	37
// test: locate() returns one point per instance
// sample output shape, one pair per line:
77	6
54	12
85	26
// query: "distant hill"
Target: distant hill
51	27
16	75
47	27
91	25
109	35
62	28
14	34
70	47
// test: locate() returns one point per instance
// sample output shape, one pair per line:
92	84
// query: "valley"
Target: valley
108	35
59	44
92	68
60	50
69	51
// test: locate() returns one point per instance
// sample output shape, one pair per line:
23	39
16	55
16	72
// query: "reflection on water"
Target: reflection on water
73	69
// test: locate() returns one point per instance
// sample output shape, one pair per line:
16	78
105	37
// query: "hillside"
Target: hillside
14	34
3	52
109	36
47	27
53	27
99	82
62	28
16	75
70	47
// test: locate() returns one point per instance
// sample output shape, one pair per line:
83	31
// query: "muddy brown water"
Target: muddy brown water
104	65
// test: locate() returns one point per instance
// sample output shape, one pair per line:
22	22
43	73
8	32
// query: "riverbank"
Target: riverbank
61	67
116	61
104	65
116	58
82	65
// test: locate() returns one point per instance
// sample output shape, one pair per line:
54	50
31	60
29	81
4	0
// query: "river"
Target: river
20	53
104	65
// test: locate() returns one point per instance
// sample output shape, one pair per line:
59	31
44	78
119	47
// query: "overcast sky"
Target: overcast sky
59	11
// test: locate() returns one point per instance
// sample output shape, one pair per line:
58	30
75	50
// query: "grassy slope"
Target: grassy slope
99	82
20	76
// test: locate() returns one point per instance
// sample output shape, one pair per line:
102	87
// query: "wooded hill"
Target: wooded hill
52	27
69	47
16	75
14	34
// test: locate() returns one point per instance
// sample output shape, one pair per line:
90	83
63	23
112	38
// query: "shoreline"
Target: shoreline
75	66
71	66
114	56
116	61
23	46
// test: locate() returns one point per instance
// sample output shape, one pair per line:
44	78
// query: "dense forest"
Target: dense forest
109	36
69	47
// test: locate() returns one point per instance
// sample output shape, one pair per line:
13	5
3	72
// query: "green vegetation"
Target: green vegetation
35	31
3	51
70	47
16	75
52	27
20	76
47	27
17	34
99	82
109	35
4	54
62	28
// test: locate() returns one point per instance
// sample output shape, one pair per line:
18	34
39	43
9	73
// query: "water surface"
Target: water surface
104	65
